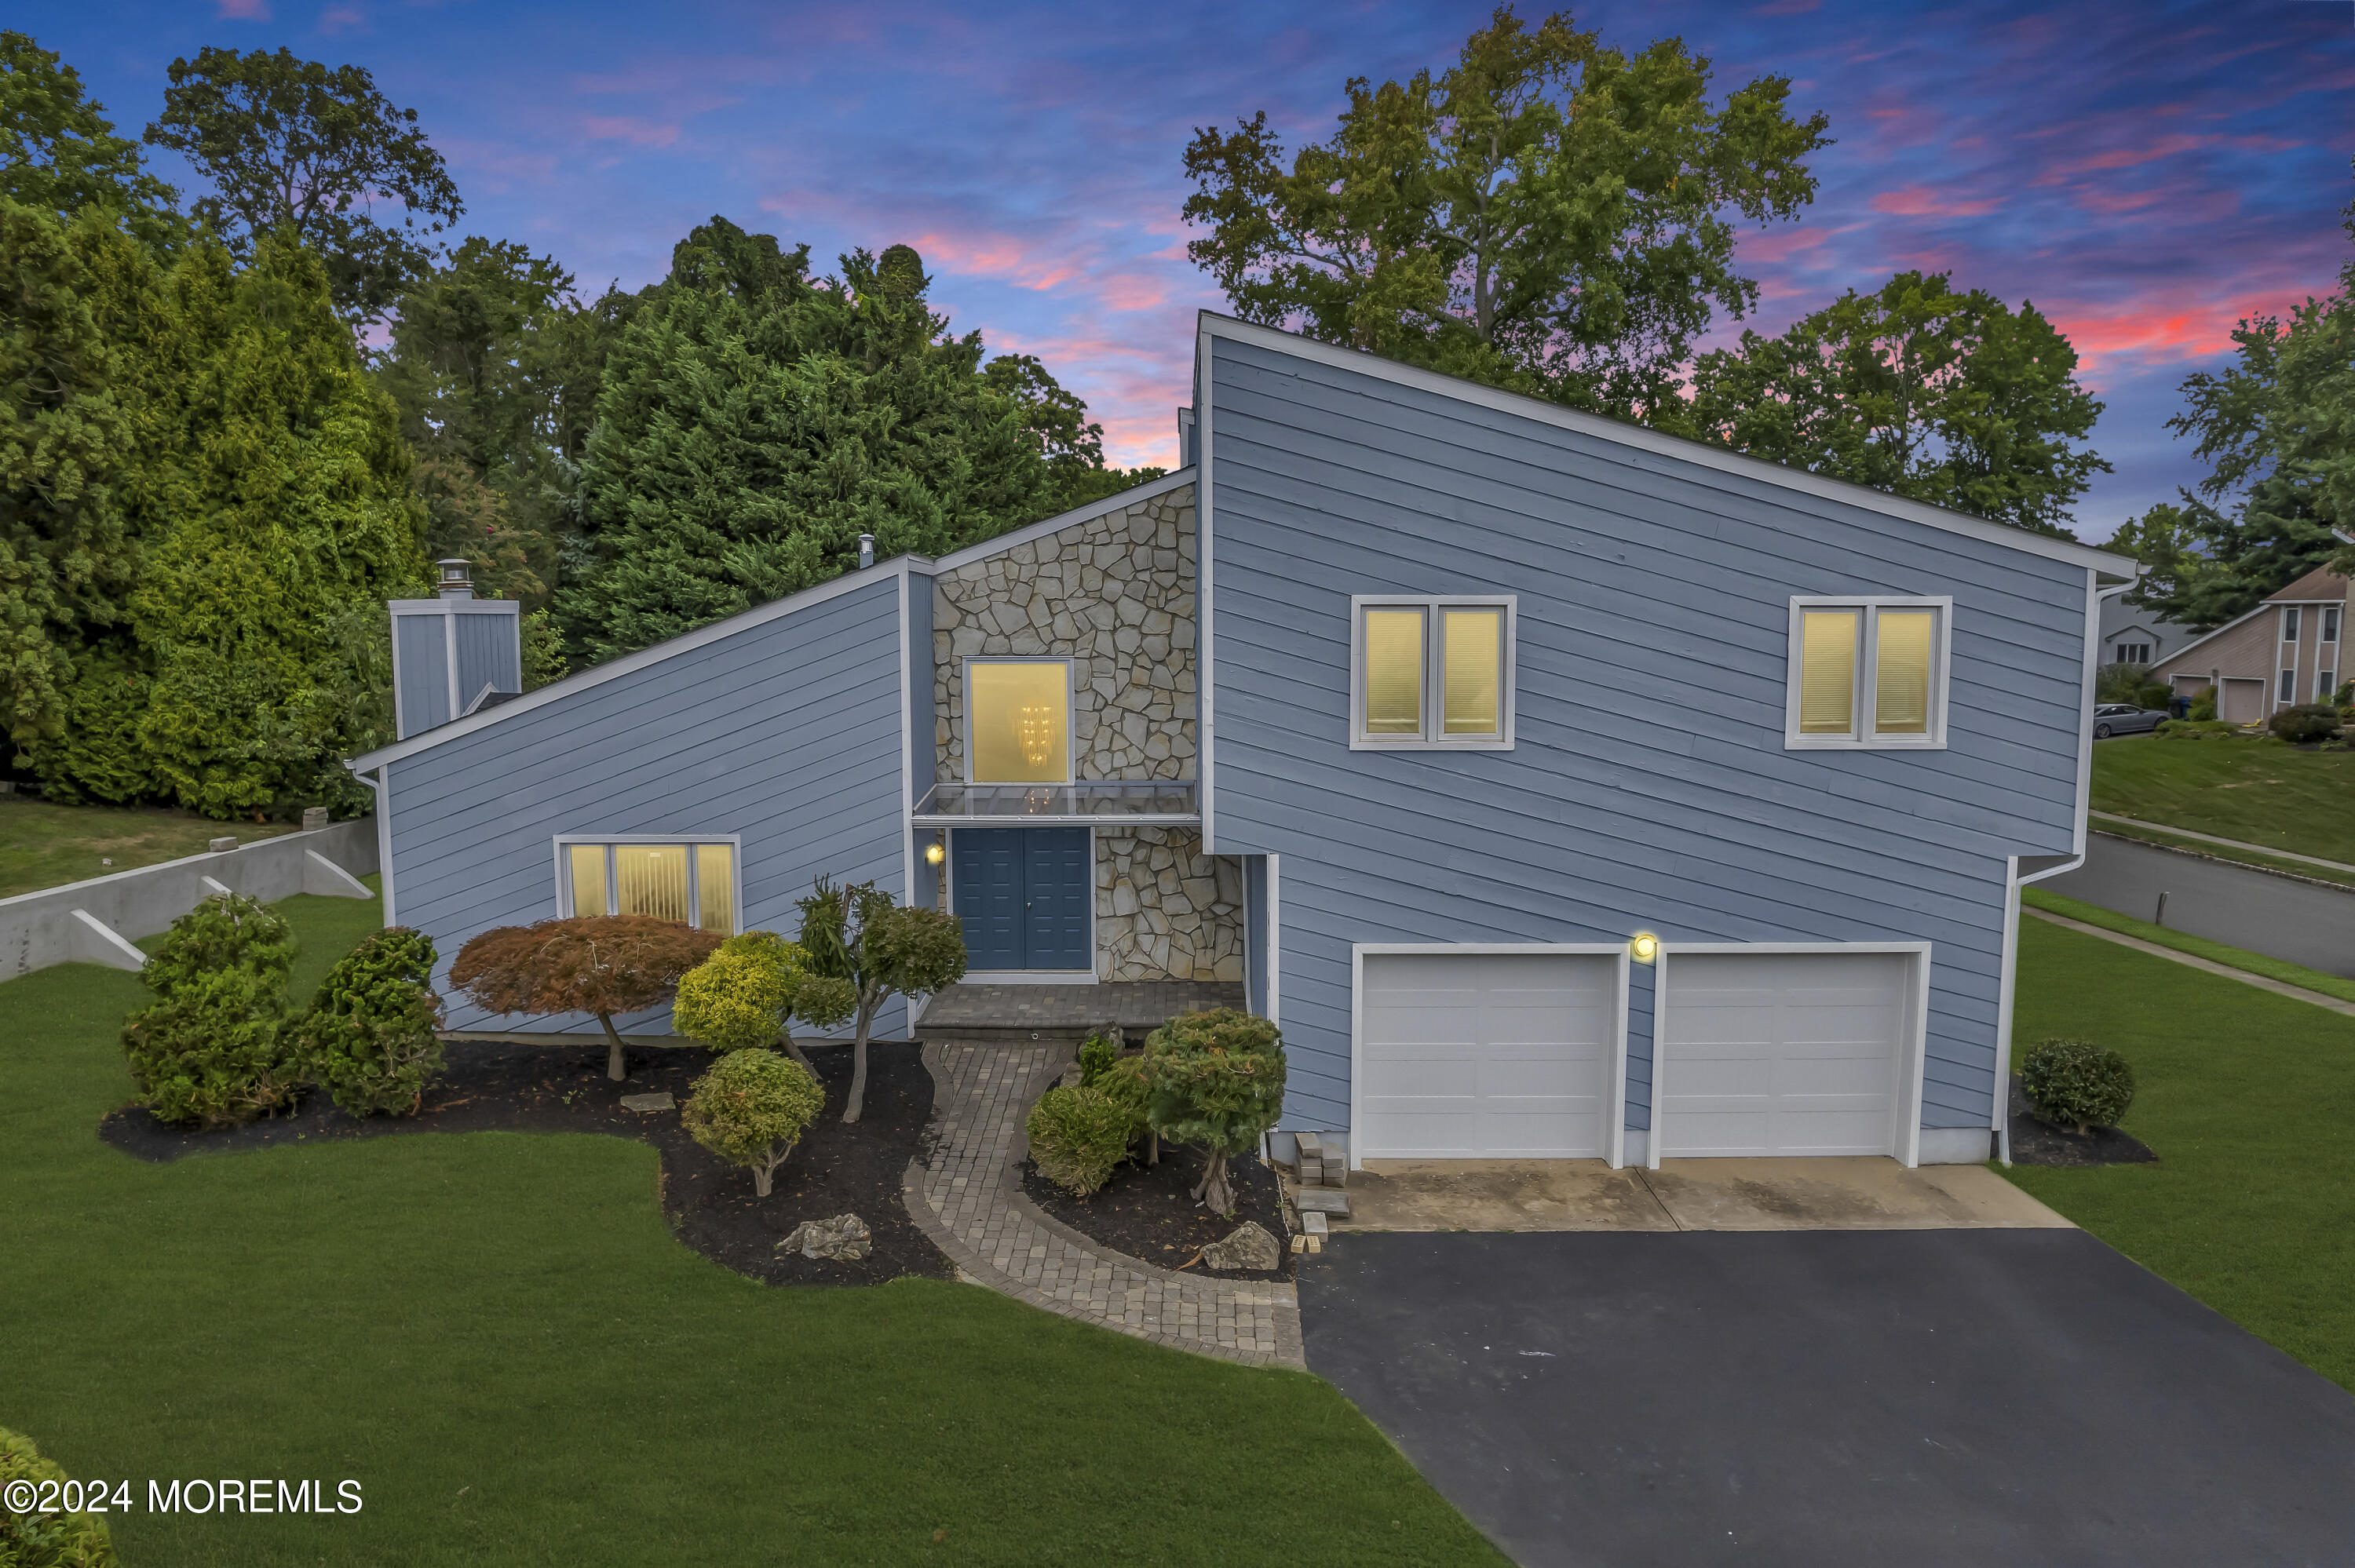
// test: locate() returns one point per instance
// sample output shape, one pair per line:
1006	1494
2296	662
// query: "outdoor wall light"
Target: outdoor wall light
935	852
1643	946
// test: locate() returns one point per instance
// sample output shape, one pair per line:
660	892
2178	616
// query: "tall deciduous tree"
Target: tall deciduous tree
1948	397
59	155
289	143
755	420
1549	214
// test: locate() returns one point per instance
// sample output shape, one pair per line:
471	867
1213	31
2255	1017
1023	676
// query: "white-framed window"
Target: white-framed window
2132	653
1431	673
2325	683
689	879
2288	686
1868	670
2289	623
2330	623
1017	721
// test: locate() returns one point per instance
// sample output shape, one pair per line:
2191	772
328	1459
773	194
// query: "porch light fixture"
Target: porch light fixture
935	853
1643	946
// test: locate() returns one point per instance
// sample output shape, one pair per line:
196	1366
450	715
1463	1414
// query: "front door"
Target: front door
1023	896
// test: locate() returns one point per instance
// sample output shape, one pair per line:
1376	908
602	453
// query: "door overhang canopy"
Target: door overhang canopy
1095	802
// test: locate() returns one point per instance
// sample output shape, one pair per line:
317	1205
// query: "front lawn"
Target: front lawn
44	845
495	1334
2259	792
2247	1098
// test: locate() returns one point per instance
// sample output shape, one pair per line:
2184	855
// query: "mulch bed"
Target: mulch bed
506	1086
1145	1211
2038	1142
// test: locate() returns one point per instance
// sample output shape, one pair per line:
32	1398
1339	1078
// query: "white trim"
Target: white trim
2211	636
1205	736
450	656
381	782
734	841
1905	1130
1434	685
1029	531
1614	1108
1070	716
1697	454
1274	945
598	675
908	741
1862	694
1140	820
2088	680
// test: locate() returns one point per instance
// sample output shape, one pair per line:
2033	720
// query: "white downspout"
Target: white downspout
381	782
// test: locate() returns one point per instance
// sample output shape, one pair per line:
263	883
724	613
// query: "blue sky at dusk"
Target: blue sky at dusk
2144	173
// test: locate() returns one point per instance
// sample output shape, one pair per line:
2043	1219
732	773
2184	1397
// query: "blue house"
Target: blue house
1561	788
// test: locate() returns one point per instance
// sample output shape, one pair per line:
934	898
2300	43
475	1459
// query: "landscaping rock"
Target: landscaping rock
842	1238
1248	1246
660	1102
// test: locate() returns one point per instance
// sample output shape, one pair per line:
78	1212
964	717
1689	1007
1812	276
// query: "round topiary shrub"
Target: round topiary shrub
751	1108
51	1538
745	994
2306	723
1079	1134
1216	1079
370	1038
2071	1083
213	1049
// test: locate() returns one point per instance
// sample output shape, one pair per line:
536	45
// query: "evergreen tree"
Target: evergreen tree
754	421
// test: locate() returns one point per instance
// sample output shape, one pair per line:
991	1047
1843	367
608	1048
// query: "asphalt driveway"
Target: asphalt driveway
1824	1398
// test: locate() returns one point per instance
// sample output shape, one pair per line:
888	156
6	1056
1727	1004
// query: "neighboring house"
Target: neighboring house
1561	789
2282	652
2133	635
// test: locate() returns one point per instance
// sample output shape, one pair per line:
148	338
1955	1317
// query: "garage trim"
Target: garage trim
1615	1092
1905	1135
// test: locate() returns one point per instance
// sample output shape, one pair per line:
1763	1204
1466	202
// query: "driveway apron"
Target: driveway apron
1821	1398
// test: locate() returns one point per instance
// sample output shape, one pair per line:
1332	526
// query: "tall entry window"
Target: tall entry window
1432	672
692	882
1018	715
1868	673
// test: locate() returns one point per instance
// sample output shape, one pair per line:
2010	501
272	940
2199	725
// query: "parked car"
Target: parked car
2125	718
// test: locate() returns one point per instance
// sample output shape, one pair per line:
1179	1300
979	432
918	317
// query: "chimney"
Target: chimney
866	550
452	655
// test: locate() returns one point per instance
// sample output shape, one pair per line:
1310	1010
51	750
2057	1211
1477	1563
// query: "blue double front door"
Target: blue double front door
1023	896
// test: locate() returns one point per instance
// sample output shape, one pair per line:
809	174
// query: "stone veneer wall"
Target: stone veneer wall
1115	595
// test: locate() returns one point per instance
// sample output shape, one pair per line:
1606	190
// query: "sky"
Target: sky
2146	173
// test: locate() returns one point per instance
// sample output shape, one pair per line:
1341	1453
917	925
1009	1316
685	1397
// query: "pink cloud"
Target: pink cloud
1771	249
342	20
623	128
1921	201
242	10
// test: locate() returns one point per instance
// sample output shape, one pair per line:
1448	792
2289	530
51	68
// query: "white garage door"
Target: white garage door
1485	1055
1781	1053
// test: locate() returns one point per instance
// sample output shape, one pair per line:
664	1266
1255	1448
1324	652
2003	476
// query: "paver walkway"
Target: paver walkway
965	1193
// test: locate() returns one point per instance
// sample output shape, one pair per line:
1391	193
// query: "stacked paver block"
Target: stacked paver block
965	1193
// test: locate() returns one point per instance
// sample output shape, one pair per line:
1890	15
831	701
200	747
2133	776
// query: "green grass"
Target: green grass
496	1336
2198	946
44	845
2246	1097
2162	836
2259	792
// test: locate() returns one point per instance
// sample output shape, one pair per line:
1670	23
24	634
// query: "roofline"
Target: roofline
598	675
1213	325
2211	636
1174	479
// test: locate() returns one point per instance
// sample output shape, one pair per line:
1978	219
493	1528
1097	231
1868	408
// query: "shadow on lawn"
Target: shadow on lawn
499	1085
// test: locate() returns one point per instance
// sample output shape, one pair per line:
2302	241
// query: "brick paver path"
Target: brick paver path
966	1194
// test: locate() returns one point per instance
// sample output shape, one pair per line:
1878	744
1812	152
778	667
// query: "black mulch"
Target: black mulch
2037	1142
1146	1212
502	1085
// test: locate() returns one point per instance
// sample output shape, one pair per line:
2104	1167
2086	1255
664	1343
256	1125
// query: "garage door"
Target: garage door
1485	1055
1781	1053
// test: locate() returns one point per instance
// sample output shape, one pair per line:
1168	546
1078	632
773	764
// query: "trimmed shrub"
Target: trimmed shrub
1097	1053
1216	1079
744	995
2071	1083
29	1539
2203	707
2195	729
596	964
2306	723
370	1038
751	1108
1078	1135
213	1049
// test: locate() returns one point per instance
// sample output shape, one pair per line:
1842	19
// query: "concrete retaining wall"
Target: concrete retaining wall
96	921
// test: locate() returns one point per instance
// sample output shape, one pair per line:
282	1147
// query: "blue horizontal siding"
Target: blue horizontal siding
787	734
1649	787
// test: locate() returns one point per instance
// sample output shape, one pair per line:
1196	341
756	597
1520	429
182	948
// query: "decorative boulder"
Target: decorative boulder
843	1238
1246	1246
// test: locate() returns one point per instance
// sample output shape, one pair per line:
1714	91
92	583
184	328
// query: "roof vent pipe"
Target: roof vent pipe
457	579
866	550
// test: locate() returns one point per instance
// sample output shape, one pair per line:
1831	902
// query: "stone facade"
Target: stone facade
1115	596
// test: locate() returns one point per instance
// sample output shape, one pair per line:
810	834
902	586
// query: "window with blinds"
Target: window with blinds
691	883
1432	672
1867	673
